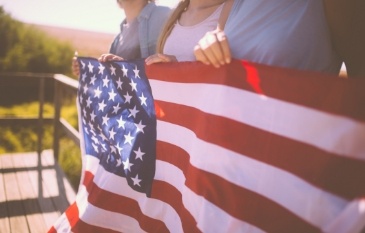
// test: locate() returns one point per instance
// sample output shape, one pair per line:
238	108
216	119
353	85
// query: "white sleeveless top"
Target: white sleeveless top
288	33
183	39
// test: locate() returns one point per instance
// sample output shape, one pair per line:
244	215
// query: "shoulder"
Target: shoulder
160	8
152	10
160	11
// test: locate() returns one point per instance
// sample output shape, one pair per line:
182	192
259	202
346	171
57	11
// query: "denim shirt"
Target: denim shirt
151	20
284	33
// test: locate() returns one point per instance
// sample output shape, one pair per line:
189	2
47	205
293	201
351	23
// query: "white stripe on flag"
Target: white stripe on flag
249	173
102	218
264	112
62	225
162	211
204	212
150	207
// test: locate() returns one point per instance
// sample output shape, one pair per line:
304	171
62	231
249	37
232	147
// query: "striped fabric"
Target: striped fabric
242	148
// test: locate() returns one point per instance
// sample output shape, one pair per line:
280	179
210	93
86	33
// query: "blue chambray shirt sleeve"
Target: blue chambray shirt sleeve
114	45
151	21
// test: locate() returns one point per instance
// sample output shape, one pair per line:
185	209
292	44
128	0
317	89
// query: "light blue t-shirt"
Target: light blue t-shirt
150	22
286	33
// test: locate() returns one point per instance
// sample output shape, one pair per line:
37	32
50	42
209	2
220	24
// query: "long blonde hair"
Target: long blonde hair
170	23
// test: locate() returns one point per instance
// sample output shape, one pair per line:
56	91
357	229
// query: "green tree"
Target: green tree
24	48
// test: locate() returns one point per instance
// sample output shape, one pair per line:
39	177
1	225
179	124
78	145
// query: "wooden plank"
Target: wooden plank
48	160
4	220
57	183
16	212
33	192
49	212
30	197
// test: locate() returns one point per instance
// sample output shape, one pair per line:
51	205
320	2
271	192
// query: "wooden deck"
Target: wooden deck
33	192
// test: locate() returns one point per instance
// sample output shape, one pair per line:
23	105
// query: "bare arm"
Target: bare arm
346	19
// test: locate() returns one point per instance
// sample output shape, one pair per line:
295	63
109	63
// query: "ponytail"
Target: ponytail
170	23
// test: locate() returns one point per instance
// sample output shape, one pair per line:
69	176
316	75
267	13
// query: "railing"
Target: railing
62	84
61	124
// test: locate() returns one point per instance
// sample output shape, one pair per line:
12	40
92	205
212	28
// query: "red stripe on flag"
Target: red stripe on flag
342	176
52	230
316	90
120	204
237	201
304	88
79	226
72	214
168	194
83	227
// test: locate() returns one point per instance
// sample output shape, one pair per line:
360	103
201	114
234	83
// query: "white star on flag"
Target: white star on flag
139	153
136	180
127	165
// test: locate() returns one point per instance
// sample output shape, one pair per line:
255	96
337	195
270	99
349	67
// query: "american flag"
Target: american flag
242	148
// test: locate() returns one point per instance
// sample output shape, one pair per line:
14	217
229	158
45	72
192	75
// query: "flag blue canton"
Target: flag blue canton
118	119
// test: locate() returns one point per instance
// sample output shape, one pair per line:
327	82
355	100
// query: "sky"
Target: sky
91	15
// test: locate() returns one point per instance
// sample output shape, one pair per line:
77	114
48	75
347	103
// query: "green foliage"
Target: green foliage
69	112
20	139
24	48
9	141
70	154
27	109
24	139
70	161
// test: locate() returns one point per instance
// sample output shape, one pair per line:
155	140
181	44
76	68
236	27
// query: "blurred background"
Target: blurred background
38	38
88	26
96	15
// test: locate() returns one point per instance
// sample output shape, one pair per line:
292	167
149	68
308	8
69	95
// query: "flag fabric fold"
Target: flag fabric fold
242	148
